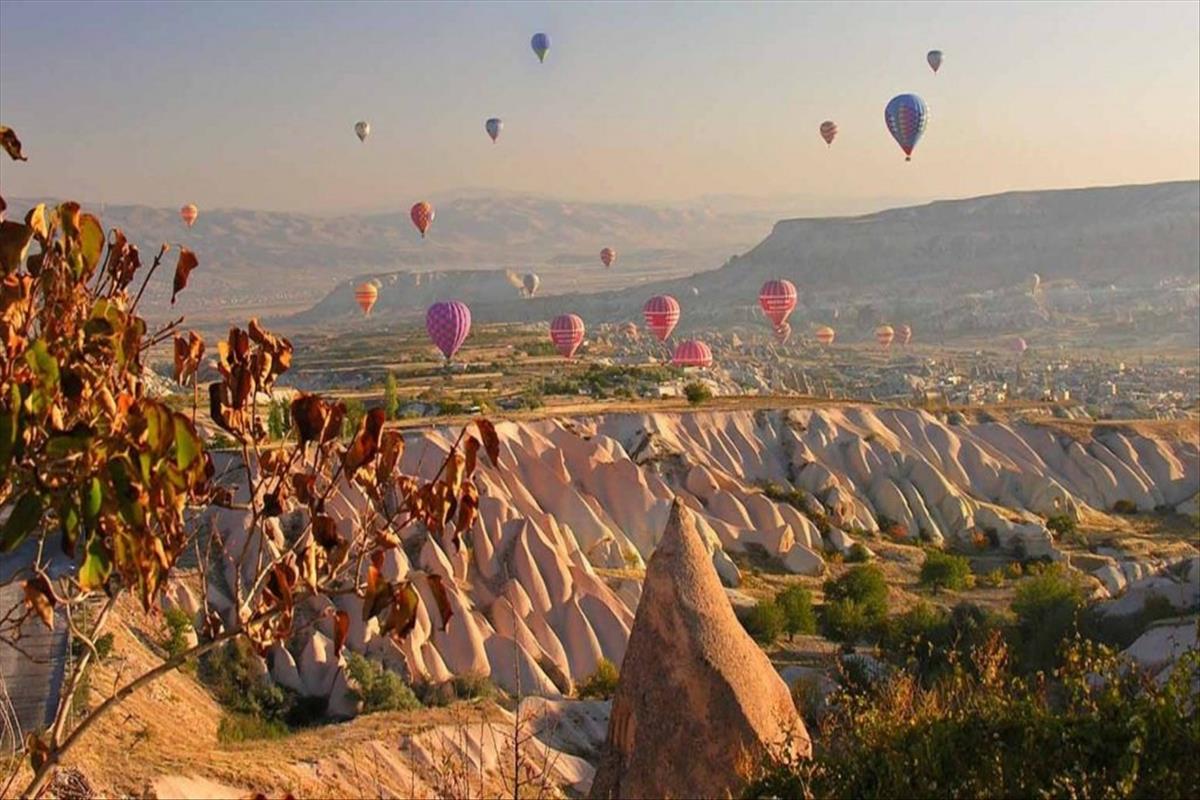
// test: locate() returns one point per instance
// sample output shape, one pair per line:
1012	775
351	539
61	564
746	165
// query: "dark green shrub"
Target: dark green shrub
178	626
796	604
945	571
379	688
863	584
232	675
859	554
1060	524
765	622
1125	507
1047	607
235	727
601	684
930	640
846	621
697	393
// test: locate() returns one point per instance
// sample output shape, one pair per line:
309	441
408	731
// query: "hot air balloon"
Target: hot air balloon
884	335
825	335
662	314
1018	345
695	291
692	353
934	57
362	129
541	45
422	216
904	333
1035	283
493	127
608	256
828	131
783	332
906	116
366	295
566	331
777	298
448	323
630	330
188	214
531	283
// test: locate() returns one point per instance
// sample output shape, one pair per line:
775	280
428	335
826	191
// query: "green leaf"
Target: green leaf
69	518
77	440
10	428
26	514
91	502
97	565
91	242
44	365
187	443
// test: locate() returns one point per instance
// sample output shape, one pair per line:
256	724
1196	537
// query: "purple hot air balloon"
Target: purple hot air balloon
448	323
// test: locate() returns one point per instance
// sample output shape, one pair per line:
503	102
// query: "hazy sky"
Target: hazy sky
252	105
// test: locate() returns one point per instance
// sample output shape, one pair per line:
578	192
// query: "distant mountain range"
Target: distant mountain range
922	256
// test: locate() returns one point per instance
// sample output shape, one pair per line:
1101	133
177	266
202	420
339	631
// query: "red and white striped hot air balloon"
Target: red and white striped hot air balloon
783	332
608	256
903	333
825	335
188	214
828	131
366	295
422	216
692	353
777	298
884	335
662	315
566	331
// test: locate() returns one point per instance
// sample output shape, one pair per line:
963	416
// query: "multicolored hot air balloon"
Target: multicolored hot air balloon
493	127
566	331
783	332
608	256
903	333
828	131
448	323
188	214
825	335
422	216
531	282
884	335
777	298
906	116
541	45
692	353
934	57
366	295
1018	346
662	315
362	129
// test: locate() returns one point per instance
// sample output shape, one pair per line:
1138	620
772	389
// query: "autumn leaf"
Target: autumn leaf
309	413
11	144
341	629
471	455
440	596
14	243
325	531
366	441
36	220
468	510
40	599
188	353
91	243
183	268
391	447
491	442
403	614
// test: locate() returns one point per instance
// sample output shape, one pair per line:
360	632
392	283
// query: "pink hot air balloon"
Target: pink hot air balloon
1018	345
777	298
566	331
692	353
422	216
188	214
884	335
903	333
448	323
828	131
608	256
825	335
662	314
783	332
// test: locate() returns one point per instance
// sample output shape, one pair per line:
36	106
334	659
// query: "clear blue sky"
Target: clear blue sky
252	105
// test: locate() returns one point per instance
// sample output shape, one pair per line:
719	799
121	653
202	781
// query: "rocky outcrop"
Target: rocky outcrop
697	699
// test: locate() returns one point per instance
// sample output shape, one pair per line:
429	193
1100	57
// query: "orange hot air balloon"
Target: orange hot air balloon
366	295
903	333
825	335
884	335
828	131
608	256
422	216
188	214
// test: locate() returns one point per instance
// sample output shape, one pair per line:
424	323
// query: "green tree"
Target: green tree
601	684
945	571
697	393
1047	607
855	604
391	397
796	604
765	622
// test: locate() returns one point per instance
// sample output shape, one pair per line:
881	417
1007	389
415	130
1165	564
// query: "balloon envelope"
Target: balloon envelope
366	295
448	323
692	353
188	214
1018	345
531	283
541	45
825	335
777	298
906	116
422	216
566	331
608	256
828	131
934	57
884	335
903	333
662	315
493	127
362	129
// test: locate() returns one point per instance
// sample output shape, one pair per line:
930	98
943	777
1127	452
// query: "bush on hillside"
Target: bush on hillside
1047	607
795	602
601	684
855	604
379	688
765	622
945	571
697	393
1061	524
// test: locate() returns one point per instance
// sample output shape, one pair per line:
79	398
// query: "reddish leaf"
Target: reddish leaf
391	447
366	441
183	268
341	629
491	442
188	353
468	509
442	599
325	531
403	614
11	144
471	455
304	487
310	414
39	598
